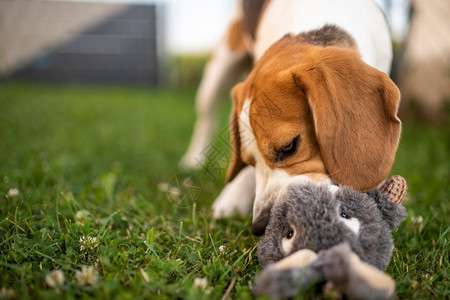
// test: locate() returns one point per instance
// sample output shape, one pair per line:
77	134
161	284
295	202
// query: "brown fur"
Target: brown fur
343	110
235	36
241	33
236	162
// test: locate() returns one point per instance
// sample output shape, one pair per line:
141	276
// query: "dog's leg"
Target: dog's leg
237	196
226	67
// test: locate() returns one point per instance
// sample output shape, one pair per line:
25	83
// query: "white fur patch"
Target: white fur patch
299	259
362	19
352	223
332	187
286	245
265	177
300	180
246	131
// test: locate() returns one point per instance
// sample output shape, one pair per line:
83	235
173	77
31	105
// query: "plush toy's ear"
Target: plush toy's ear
354	108
395	188
236	163
261	221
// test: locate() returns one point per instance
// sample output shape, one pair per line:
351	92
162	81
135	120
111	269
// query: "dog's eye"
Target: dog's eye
290	234
288	149
345	216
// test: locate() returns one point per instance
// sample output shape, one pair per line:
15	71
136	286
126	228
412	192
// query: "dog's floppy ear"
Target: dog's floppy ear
236	163
354	107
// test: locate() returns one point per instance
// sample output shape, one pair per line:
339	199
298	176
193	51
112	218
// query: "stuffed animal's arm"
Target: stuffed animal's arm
355	278
339	265
289	276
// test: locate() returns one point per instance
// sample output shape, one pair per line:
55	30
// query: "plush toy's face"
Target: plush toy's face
315	217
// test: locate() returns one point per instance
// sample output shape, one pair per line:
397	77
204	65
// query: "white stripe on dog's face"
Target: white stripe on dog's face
267	179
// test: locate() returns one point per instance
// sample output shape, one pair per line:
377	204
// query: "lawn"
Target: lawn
94	206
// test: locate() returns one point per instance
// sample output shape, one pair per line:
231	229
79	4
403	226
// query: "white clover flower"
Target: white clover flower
87	276
163	186
81	216
88	242
223	249
187	182
6	293
174	194
200	283
13	193
417	219
55	278
96	262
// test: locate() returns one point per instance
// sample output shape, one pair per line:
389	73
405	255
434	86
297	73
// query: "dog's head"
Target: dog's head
314	111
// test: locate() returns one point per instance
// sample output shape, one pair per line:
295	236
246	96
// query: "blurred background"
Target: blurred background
97	105
166	42
102	41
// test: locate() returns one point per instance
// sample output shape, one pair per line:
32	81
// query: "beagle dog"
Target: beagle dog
317	104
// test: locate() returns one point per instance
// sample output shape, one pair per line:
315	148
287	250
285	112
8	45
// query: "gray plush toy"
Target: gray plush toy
339	237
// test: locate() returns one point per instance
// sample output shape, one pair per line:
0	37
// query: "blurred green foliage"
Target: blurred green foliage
186	70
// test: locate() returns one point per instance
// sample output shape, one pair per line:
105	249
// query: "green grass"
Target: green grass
96	162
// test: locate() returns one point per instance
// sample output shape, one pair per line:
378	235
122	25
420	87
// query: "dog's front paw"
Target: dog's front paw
232	201
237	196
190	162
